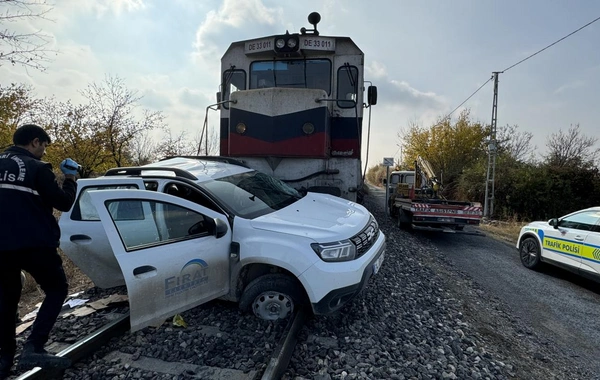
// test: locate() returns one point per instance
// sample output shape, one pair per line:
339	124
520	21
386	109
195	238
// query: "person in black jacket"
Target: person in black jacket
29	238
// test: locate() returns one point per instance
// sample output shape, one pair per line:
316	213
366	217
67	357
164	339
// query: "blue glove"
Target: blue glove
69	167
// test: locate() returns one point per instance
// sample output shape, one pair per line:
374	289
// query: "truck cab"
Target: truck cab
404	178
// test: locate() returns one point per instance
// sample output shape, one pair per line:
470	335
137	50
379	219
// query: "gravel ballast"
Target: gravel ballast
419	318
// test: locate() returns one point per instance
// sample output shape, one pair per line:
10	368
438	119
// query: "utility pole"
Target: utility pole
488	208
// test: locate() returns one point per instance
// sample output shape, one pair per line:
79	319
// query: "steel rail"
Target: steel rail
82	348
85	347
280	359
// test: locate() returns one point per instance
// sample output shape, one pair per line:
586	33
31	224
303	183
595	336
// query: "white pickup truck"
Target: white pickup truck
186	230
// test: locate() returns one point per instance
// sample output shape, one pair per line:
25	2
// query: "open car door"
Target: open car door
174	254
83	238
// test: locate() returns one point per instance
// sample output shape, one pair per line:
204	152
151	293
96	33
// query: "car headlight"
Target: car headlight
335	251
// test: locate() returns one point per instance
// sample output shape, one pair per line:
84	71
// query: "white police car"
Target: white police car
571	242
186	230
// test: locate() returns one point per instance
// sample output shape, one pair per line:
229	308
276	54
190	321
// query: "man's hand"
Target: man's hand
69	167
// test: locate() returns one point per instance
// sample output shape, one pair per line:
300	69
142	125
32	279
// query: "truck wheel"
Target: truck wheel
272	296
530	253
404	220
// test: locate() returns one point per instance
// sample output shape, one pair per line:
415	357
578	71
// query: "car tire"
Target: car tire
272	297
530	253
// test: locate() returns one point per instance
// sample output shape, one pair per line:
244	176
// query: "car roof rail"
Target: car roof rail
226	160
137	170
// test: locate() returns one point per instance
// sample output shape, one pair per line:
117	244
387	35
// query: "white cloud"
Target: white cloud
375	70
399	93
214	34
70	71
118	7
402	94
195	98
155	99
570	86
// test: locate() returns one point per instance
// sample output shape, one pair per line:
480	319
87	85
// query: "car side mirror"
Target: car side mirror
221	228
553	222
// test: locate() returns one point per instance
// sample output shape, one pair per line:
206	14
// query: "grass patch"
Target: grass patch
505	231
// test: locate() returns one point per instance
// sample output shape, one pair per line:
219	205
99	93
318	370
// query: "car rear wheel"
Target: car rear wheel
530	253
272	296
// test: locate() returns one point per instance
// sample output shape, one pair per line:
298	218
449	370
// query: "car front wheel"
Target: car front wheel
530	253
272	297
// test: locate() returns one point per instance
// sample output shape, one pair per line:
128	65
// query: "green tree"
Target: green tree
449	146
76	135
17	105
376	174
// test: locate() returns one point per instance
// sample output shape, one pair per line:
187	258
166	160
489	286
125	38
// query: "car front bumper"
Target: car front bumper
347	279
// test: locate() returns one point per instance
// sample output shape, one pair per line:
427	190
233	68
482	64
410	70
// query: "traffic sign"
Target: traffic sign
388	161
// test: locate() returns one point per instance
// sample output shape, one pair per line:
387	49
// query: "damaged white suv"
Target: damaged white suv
186	230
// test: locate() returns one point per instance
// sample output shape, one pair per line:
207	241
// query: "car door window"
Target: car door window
188	193
143	223
84	209
585	221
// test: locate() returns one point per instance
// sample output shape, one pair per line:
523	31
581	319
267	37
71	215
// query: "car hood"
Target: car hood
321	217
538	224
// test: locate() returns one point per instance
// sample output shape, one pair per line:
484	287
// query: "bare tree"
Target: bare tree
143	150
178	145
517	144
17	45
116	113
572	148
207	146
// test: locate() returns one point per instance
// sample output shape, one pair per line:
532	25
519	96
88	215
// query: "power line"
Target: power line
470	96
552	44
521	61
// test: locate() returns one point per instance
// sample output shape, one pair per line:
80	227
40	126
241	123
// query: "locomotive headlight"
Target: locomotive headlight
286	43
308	128
292	42
240	128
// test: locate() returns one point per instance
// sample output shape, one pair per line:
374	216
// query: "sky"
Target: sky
425	56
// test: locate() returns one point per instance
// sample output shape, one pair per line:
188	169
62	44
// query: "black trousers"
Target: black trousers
45	266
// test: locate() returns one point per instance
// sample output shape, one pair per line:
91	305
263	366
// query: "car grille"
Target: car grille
366	238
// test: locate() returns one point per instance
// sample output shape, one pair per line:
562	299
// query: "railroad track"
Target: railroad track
86	347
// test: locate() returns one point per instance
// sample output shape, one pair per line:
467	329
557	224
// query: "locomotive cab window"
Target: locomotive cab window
233	80
299	73
347	86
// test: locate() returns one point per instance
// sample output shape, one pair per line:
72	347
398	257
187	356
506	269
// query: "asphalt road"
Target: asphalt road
560	307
